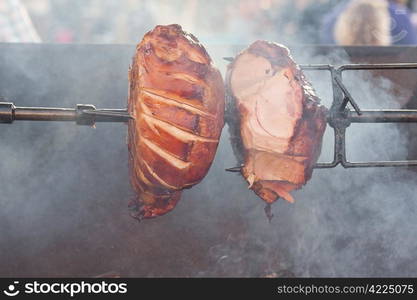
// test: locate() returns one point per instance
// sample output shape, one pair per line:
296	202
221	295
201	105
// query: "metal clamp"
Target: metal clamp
82	117
6	112
340	117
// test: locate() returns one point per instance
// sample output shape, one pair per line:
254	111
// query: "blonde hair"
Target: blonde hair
364	22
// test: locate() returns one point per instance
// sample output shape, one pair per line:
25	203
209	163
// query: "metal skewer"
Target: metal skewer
339	116
82	114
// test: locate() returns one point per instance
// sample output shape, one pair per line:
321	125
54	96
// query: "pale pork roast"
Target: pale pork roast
276	120
177	100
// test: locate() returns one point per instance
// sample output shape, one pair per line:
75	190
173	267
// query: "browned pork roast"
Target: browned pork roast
276	120
177	99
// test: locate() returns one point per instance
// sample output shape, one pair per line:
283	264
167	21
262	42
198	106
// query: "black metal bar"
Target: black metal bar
351	165
395	66
384	116
316	67
348	97
381	164
374	164
399	66
330	165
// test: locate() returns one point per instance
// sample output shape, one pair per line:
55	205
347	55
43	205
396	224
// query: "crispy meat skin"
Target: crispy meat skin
177	99
276	121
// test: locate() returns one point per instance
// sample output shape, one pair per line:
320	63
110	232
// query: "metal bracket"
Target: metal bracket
6	112
340	117
82	117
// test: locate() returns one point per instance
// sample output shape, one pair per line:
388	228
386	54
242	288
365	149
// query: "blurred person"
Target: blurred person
402	30
15	23
412	5
364	22
369	22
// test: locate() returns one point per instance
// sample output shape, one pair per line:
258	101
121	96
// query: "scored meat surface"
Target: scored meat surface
276	121
177	100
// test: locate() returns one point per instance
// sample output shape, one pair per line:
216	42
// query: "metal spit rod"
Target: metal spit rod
10	113
340	117
83	114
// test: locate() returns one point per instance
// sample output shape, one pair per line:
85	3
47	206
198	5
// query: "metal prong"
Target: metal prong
348	95
109	113
229	59
234	169
315	67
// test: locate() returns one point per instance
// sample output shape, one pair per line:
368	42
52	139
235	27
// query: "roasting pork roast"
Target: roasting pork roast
177	100
276	120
